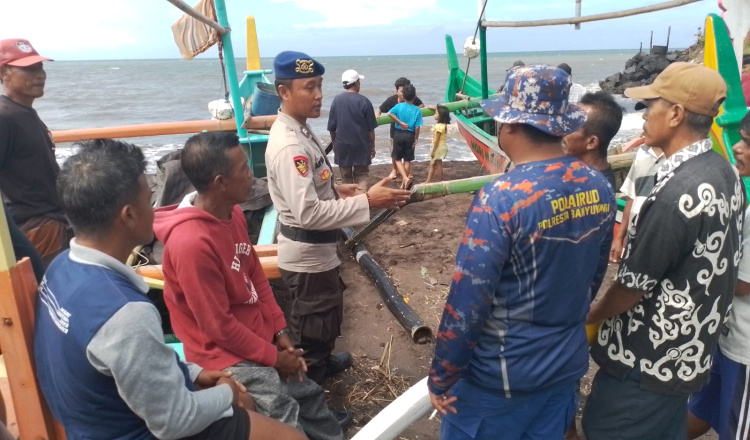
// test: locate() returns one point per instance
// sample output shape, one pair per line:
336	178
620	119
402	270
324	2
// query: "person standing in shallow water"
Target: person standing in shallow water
408	119
387	105
439	146
510	348
351	122
311	210
28	168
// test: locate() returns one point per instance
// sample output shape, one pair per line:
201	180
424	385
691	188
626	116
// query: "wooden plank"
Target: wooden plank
19	288
7	257
270	267
266	250
154	276
623	160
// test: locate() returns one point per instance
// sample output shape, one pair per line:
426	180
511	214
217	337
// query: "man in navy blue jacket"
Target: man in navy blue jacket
512	345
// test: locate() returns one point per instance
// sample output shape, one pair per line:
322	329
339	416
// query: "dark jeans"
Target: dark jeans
621	410
315	315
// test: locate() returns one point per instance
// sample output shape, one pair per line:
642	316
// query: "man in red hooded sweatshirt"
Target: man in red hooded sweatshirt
220	303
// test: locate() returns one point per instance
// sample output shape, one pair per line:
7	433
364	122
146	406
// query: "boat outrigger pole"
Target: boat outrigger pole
586	18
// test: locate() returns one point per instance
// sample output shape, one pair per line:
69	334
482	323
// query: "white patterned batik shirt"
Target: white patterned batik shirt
683	248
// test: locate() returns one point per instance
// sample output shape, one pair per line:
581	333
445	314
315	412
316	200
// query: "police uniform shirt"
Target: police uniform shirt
300	184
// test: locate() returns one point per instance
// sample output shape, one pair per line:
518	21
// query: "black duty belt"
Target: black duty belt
306	236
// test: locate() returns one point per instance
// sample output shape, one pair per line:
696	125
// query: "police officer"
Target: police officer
311	209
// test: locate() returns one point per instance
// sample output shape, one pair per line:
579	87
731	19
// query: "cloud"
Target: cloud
59	27
345	13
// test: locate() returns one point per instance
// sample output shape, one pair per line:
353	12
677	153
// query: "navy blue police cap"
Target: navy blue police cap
293	65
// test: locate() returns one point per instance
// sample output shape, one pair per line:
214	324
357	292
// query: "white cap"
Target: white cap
350	77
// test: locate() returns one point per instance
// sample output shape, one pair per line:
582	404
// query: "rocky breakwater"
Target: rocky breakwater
642	69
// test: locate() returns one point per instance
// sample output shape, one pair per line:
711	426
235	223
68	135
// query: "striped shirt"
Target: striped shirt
640	179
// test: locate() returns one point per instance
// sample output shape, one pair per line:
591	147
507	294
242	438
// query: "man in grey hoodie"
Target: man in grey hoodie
100	357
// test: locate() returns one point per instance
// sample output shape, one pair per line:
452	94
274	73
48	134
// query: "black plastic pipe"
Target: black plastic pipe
405	315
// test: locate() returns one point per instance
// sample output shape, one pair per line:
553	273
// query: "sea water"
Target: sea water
90	94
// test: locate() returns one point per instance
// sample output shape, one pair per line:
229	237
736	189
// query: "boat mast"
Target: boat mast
483	49
234	84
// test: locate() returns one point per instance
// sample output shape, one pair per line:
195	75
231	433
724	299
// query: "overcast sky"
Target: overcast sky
136	29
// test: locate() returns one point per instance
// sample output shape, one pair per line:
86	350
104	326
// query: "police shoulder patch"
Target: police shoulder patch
302	164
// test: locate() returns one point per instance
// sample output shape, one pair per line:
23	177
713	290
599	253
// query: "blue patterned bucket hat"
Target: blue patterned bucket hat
537	95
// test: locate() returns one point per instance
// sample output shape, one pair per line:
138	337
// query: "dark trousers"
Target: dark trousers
315	313
620	410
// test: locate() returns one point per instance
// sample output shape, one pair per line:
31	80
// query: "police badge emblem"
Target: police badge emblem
304	67
302	164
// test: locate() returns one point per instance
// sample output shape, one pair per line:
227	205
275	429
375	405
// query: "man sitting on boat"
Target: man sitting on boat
220	303
28	168
512	344
590	143
100	355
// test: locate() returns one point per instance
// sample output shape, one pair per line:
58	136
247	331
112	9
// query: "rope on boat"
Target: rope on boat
222	62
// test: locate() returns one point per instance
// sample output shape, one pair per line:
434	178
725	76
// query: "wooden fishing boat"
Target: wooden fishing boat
475	126
478	128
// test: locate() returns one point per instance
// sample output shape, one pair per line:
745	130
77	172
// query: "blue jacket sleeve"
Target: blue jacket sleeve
481	255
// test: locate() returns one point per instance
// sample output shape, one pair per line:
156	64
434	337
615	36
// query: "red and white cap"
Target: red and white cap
19	52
